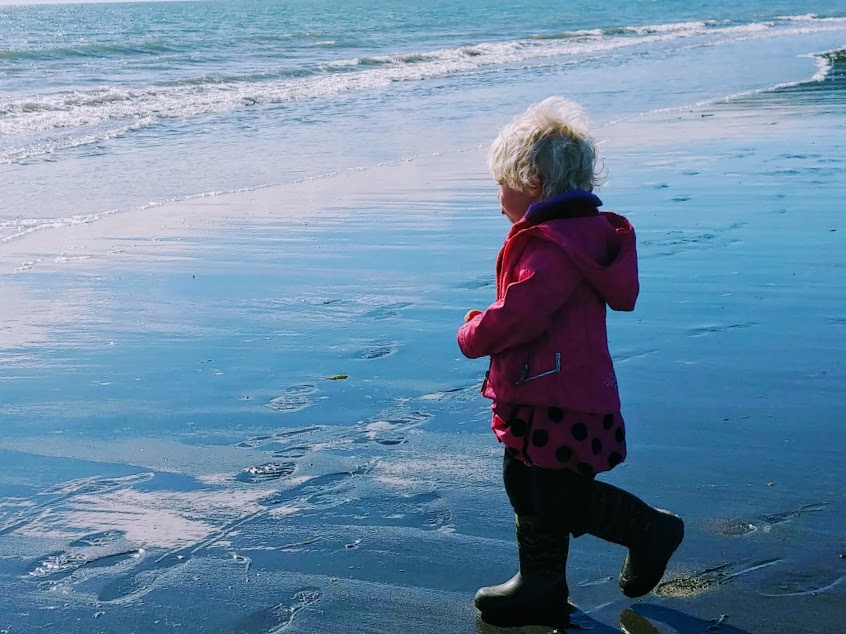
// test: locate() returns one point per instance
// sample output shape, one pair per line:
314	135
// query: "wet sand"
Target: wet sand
248	413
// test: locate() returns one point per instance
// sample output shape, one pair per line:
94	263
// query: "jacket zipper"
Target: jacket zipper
525	378
485	381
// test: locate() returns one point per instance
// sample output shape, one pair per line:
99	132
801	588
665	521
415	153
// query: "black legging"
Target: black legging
560	495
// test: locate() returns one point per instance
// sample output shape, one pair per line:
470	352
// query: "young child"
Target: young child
555	402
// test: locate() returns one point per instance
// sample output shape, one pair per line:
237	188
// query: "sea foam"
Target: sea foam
52	122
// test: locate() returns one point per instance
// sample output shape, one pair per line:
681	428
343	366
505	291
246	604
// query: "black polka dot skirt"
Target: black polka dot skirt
555	438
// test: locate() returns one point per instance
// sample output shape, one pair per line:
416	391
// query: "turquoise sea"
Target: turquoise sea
237	239
112	106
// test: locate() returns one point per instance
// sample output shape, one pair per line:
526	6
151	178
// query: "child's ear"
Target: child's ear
535	186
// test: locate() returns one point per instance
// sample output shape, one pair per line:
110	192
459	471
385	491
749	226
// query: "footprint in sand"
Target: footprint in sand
255	441
709	579
379	350
104	538
277	617
265	472
390	426
736	527
293	399
455	395
733	527
425	511
144	576
277	444
779	518
387	311
319	491
429	510
679	241
383	432
277	438
293	452
100	550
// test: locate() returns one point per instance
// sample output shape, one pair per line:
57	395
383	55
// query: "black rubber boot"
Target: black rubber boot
651	535
537	594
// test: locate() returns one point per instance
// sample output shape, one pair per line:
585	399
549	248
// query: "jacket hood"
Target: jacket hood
601	244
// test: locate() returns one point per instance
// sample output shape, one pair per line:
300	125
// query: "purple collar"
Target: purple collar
573	204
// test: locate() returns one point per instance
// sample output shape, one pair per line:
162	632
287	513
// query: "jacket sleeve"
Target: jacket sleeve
545	278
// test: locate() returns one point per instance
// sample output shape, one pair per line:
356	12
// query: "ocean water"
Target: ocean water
106	107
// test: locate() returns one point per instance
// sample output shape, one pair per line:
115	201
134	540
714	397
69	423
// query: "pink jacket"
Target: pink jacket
561	264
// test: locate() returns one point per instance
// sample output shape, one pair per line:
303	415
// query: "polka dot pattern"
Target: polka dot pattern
555	438
579	431
563	454
518	427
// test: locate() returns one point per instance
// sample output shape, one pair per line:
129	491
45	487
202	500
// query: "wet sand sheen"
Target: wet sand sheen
206	474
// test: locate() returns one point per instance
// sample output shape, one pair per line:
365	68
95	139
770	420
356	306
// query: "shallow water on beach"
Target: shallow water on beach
108	107
247	413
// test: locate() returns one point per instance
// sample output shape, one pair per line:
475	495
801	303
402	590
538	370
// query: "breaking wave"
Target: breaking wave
49	123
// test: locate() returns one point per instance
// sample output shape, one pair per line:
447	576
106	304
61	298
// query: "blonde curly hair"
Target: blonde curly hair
547	145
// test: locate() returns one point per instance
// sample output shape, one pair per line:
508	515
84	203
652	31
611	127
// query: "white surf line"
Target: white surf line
49	146
150	104
824	67
103	103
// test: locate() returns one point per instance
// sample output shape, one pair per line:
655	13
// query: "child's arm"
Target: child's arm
546	277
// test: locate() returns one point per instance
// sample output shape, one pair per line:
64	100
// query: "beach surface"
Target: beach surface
247	413
178	456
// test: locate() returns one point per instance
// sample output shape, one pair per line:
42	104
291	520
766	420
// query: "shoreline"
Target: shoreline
354	504
659	116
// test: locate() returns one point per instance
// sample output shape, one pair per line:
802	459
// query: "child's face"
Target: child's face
515	202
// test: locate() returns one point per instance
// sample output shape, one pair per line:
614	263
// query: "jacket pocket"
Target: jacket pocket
525	377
